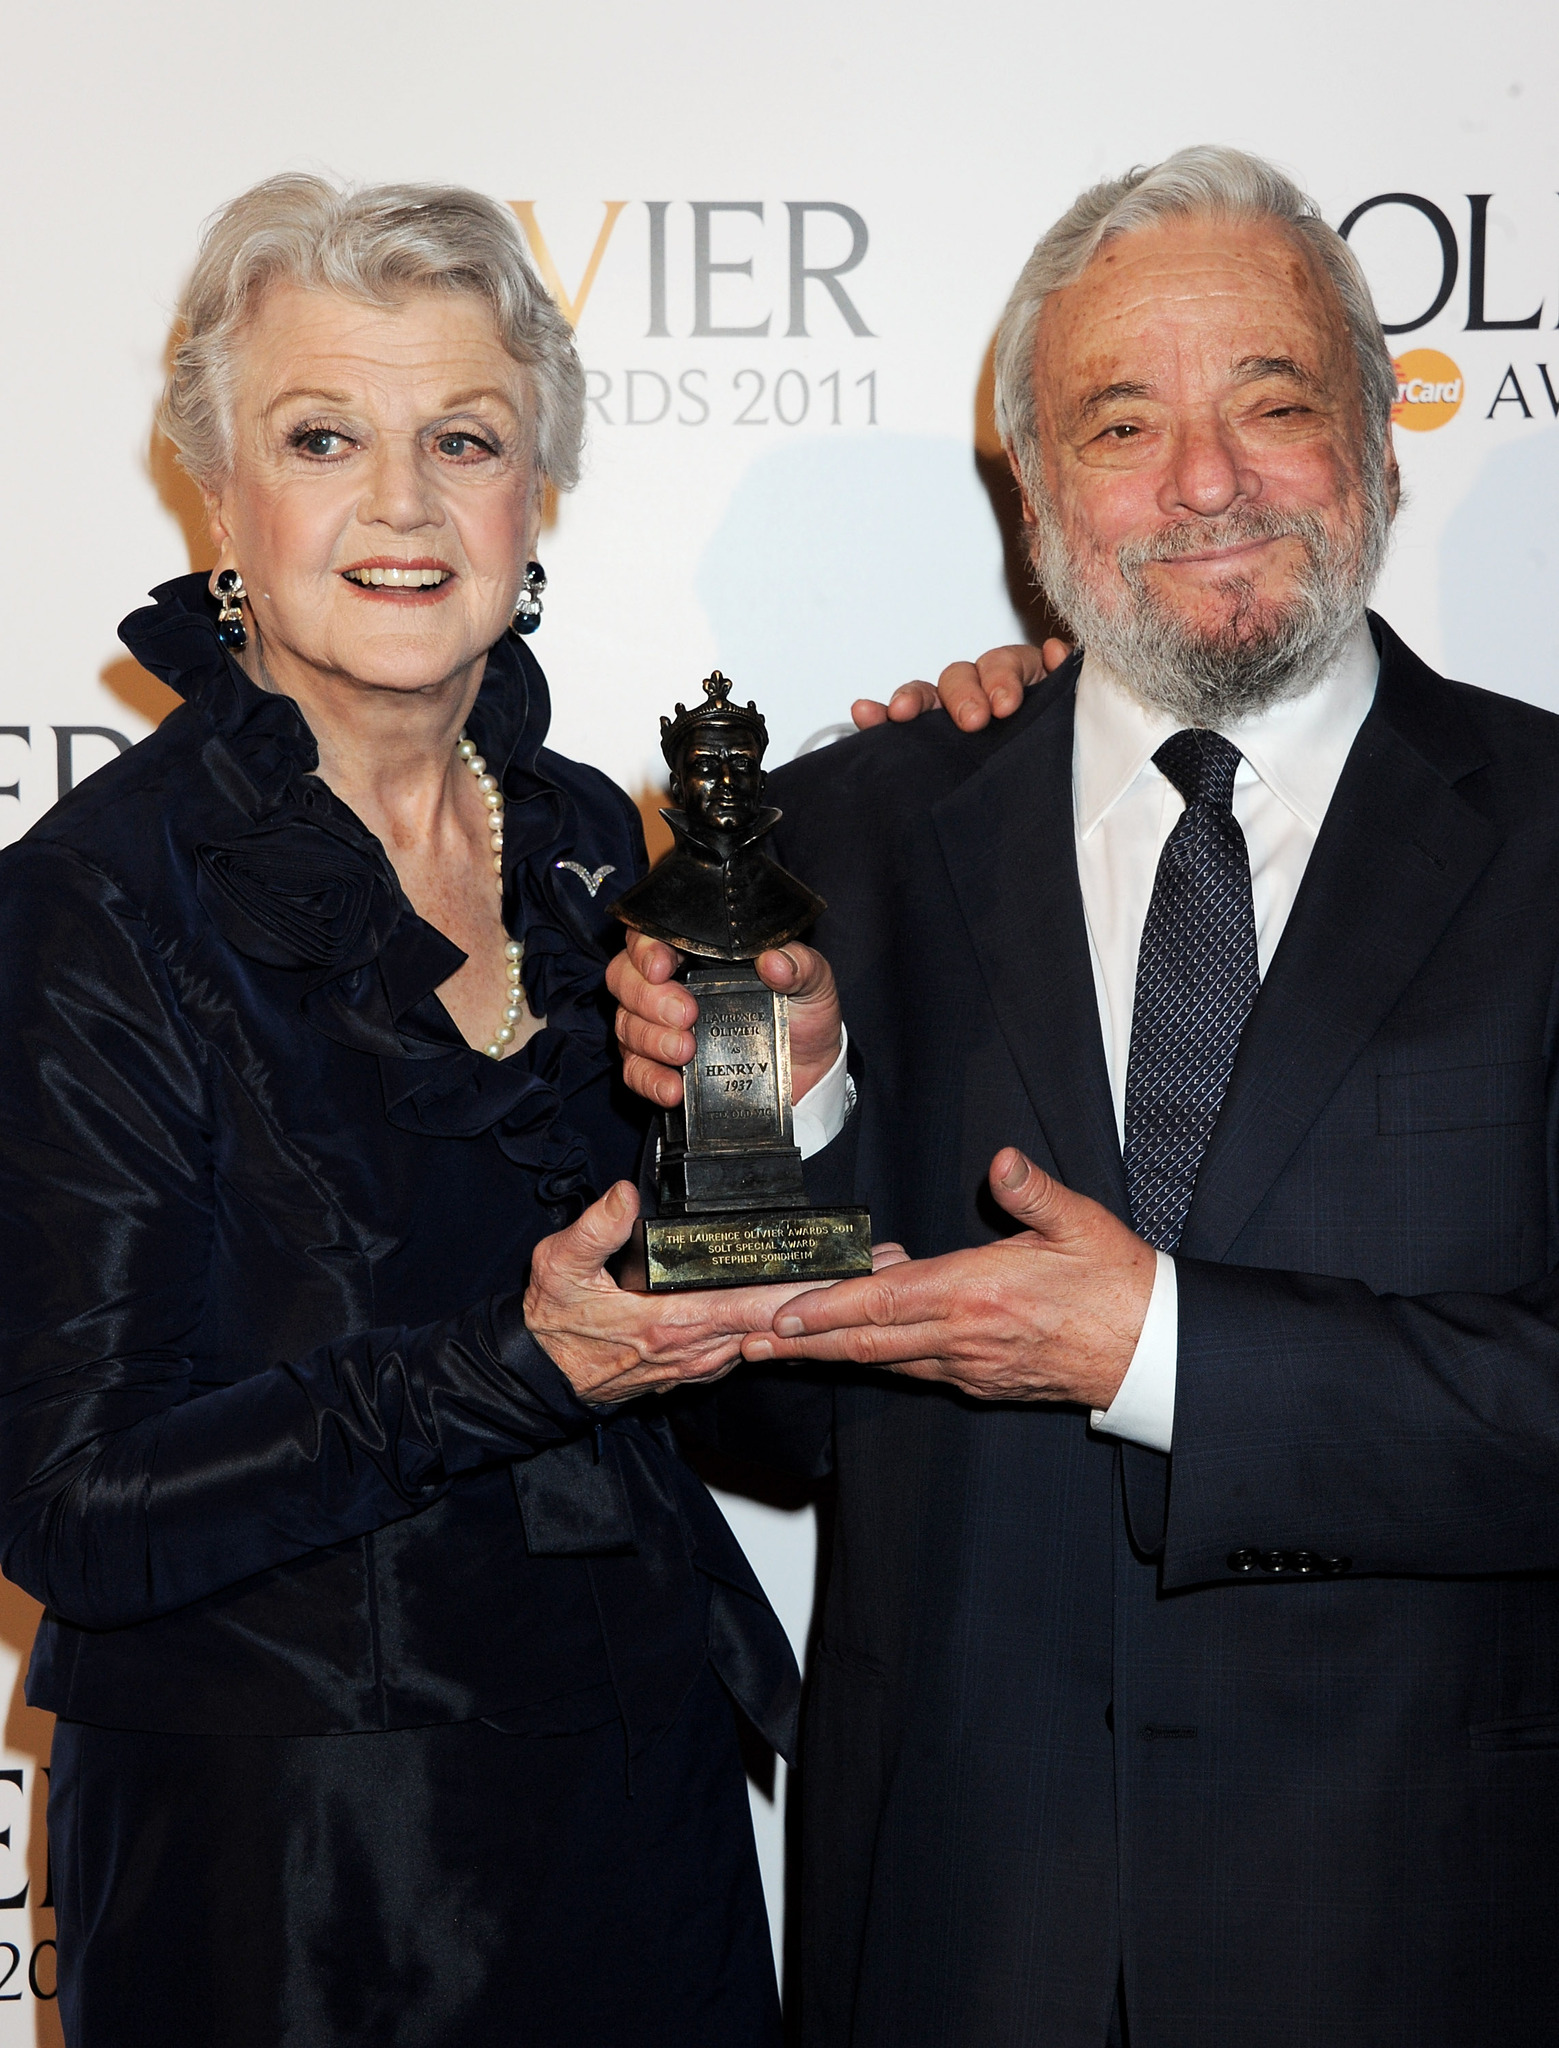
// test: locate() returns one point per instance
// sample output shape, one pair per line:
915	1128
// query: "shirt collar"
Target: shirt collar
1297	746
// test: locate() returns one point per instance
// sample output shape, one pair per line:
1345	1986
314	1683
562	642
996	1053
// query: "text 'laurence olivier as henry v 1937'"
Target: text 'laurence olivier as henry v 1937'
733	1207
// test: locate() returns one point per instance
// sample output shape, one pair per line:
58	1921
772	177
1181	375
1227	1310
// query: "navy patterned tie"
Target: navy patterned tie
1196	981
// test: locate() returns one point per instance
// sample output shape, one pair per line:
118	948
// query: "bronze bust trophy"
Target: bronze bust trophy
733	1206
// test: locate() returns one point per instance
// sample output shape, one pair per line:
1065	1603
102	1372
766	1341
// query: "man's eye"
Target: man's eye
1124	431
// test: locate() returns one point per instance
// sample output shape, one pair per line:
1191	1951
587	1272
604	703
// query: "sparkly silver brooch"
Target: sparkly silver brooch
591	881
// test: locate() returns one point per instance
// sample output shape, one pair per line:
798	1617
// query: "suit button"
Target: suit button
1333	1567
1276	1560
1242	1560
1306	1563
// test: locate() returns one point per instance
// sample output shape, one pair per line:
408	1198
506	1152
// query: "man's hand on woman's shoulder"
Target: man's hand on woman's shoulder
972	692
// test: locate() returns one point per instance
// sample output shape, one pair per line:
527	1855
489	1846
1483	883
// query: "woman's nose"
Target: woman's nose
399	493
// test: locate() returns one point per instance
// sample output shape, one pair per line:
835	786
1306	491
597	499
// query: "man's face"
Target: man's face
720	779
1201	434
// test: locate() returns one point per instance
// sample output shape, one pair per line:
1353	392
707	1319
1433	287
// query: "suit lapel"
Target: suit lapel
1007	838
1397	853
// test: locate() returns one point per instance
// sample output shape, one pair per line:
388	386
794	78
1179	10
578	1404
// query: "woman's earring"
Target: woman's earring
231	630
527	613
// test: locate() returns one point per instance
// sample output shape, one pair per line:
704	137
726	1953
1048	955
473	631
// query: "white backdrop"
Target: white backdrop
783	476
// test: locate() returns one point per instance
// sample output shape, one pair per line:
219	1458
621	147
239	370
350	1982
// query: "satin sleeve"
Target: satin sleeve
124	1491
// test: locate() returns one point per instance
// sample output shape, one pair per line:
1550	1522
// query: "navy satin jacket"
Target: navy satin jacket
276	1452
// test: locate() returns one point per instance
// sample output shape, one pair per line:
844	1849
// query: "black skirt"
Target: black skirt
448	1887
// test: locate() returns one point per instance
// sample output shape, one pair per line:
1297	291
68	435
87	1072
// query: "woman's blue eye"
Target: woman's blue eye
319	441
461	444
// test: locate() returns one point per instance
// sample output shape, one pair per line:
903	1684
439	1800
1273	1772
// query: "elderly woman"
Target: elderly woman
391	1642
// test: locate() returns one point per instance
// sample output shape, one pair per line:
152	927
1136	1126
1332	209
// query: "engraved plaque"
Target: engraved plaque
730	1145
743	1063
749	1248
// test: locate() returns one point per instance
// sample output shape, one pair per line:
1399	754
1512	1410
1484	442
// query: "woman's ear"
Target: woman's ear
217	527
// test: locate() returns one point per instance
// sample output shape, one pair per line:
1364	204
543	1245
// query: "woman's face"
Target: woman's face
383	499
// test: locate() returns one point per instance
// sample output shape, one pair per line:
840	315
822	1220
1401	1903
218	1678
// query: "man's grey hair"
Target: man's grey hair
1223	183
376	244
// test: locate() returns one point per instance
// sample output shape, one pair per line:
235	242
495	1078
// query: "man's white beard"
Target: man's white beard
1262	651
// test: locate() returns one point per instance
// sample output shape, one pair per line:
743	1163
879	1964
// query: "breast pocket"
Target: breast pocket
1460	1098
1522	1734
1458	1179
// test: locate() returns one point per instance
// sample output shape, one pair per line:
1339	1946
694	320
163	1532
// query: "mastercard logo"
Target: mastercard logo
1429	390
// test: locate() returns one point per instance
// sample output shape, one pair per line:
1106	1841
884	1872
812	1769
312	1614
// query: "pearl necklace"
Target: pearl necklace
514	952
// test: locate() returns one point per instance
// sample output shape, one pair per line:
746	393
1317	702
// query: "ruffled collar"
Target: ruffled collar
304	887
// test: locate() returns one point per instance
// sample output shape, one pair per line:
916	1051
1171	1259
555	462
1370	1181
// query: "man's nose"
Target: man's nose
1206	474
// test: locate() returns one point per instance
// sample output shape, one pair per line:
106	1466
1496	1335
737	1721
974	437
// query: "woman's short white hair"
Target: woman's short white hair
376	244
1224	183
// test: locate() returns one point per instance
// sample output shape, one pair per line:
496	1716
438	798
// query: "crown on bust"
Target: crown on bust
716	709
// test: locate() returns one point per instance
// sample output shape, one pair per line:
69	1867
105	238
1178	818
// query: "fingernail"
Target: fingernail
1016	1173
789	1326
759	1347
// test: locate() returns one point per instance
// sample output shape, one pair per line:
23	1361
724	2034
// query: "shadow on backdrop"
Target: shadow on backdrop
1499	560
123	678
1037	618
846	565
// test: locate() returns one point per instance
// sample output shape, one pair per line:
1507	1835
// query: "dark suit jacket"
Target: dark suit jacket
1297	1802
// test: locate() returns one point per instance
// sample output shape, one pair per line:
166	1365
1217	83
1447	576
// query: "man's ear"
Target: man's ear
674	788
1393	475
1017	478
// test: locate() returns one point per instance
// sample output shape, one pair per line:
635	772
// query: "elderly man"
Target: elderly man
1189	1667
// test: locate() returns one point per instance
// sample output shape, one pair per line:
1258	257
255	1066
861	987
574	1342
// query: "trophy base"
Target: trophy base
746	1248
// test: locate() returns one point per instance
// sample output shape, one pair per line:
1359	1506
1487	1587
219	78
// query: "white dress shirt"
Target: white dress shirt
821	1113
1124	809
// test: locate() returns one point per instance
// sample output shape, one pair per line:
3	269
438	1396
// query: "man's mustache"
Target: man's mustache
1231	529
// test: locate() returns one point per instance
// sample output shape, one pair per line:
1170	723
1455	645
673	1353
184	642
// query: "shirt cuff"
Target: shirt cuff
1143	1411
823	1111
